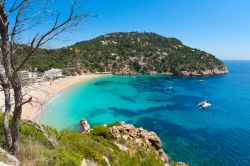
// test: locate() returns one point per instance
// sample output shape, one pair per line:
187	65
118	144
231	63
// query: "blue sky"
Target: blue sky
221	27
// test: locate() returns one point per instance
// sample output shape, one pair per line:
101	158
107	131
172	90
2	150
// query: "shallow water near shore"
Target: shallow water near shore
217	136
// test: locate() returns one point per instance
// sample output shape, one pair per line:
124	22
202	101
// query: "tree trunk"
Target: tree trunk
16	120
6	120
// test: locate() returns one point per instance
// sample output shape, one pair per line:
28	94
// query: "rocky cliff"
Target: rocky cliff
140	137
129	139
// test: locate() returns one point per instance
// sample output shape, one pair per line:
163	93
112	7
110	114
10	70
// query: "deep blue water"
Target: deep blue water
218	136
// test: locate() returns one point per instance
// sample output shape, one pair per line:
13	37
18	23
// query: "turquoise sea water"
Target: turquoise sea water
218	136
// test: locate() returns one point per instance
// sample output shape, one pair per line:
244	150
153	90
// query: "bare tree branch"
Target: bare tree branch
56	29
27	101
25	19
3	18
16	6
53	142
14	30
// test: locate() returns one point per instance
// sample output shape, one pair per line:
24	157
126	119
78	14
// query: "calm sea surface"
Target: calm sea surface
218	136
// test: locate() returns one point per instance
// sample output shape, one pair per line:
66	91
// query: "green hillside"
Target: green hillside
129	53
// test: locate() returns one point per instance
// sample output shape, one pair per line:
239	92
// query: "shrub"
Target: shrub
81	145
74	146
57	158
138	158
100	131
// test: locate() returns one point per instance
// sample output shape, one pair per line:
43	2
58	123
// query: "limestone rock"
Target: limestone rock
121	147
203	72
182	164
84	126
87	162
155	140
12	160
3	164
107	160
139	136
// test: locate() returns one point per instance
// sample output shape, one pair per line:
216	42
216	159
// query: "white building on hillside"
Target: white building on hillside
24	75
105	43
27	75
53	73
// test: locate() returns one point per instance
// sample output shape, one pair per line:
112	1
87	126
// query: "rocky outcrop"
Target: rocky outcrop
88	162
84	126
10	160
128	138
203	73
139	136
4	164
107	160
216	71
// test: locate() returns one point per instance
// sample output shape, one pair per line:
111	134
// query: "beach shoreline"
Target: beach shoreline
44	92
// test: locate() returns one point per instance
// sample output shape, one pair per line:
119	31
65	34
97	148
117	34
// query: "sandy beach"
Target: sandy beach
44	91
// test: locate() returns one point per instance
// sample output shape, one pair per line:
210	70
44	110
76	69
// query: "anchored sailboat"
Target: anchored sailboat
204	104
170	87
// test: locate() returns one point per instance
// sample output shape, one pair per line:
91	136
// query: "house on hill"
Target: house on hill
53	73
24	75
27	75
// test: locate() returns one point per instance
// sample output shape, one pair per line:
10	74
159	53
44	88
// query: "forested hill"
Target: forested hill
129	53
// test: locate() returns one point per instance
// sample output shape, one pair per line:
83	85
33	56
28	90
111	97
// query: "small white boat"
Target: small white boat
204	104
169	87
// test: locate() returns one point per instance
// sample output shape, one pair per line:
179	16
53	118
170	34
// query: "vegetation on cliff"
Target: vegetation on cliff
129	53
73	147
